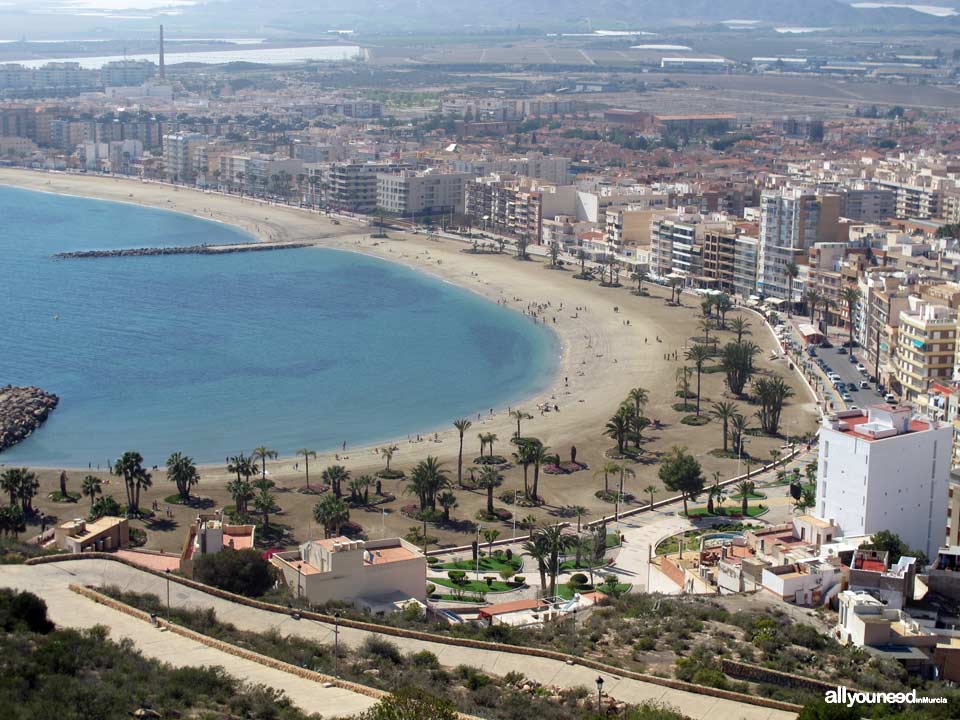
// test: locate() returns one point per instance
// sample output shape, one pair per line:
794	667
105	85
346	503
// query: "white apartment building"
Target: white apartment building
677	243
178	156
409	193
926	347
883	469
792	220
549	168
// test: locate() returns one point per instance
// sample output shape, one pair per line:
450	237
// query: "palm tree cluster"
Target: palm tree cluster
771	393
332	514
736	359
487	440
181	471
241	489
532	452
548	544
21	485
427	480
720	304
135	477
629	421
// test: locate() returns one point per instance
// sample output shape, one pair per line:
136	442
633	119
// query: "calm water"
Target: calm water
273	56
213	355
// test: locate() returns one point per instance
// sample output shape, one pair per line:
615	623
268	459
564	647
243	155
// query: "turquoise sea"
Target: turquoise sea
212	355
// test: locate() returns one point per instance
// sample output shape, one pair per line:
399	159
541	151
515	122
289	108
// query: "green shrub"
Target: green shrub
385	650
242	572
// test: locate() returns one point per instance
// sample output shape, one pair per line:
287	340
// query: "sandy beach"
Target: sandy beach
604	354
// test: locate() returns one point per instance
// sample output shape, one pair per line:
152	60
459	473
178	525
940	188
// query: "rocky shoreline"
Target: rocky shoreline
181	250
22	410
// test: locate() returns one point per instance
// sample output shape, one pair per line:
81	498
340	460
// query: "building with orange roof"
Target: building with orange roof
209	535
376	574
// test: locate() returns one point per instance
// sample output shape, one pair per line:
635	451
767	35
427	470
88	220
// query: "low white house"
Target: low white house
804	583
377	574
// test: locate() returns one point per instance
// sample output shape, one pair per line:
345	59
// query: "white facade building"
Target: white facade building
885	470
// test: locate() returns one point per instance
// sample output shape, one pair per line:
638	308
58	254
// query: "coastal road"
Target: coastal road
68	609
50	581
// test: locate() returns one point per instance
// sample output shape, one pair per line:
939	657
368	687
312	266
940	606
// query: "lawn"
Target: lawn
475	586
672	544
487	564
567	593
752	511
751	496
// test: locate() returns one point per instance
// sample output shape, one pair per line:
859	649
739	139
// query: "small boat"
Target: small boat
56	317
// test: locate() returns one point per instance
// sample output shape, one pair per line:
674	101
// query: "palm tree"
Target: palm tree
651	491
539	455
827	304
683	381
265	504
724	412
307	453
640	276
582	545
447	501
813	299
482	437
739	325
490	479
263	453
490	536
579	511
738	428
625	471
555	541
609	468
617	428
11	481
331	513
462	425
706	325
241	490
524	458
335	476
520	415
791	270
851	298
182	471
91	486
699	355
745	489
387	454
536	548
639	397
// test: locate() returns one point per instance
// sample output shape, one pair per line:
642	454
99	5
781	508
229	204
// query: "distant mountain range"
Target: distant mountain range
569	15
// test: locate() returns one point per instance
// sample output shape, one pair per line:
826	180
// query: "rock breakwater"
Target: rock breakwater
22	410
179	250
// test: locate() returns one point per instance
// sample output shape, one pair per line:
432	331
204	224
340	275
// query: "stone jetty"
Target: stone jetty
181	250
22	410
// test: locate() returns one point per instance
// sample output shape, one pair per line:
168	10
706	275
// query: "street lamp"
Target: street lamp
599	694
516	509
479	527
167	574
336	644
743	441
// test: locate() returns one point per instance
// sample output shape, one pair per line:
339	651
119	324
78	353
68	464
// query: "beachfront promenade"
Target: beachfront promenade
50	581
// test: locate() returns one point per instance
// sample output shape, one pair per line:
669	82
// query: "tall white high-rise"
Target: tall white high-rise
883	469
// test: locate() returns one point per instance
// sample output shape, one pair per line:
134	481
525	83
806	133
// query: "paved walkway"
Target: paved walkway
50	582
641	533
66	608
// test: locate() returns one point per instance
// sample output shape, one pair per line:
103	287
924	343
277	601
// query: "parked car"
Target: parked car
812	351
852	387
864	385
862	368
846	397
889	398
842	351
826	344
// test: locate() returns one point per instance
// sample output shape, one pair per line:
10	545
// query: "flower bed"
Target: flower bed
564	468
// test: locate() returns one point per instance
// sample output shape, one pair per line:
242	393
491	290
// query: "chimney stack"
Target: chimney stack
162	70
